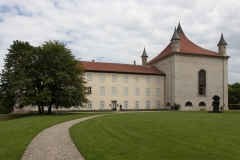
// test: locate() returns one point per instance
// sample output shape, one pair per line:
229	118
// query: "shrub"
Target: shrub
234	106
176	106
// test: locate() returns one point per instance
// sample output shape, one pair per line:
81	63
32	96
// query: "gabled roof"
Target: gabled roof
120	68
186	46
144	53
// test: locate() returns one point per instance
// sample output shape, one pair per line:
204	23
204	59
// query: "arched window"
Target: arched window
168	104
188	104
202	104
202	82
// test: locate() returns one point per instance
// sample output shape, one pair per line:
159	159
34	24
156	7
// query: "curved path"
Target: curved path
54	143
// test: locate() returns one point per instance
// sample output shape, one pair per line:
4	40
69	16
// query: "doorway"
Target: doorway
114	105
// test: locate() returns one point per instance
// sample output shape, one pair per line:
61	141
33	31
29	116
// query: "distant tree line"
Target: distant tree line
234	93
46	75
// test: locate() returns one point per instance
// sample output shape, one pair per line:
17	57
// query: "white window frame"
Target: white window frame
114	90
114	78
157	80
147	79
125	104
136	105
136	79
158	104
157	91
102	104
102	78
147	104
102	90
147	91
89	77
125	91
89	104
125	79
136	91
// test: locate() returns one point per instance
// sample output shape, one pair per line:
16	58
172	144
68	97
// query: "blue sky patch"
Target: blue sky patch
4	9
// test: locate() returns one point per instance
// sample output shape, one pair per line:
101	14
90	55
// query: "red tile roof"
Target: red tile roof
120	68
186	46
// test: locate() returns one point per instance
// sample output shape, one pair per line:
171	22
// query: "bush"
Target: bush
176	106
5	110
234	106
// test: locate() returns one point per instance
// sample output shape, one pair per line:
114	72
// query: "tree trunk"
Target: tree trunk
42	109
39	109
50	109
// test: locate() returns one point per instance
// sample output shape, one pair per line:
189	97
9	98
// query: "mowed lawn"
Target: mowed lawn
17	131
160	135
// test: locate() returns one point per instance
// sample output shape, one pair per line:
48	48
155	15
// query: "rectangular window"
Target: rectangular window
147	104
158	80
114	78
102	90
158	91
136	104
125	91
101	104
125	79
125	104
89	77
158	104
89	89
89	104
114	91
147	91
136	92
147	80
102	78
136	79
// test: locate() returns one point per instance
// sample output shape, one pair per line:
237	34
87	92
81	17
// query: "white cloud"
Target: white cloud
117	31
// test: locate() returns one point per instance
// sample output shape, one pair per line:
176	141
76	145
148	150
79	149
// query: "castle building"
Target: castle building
182	73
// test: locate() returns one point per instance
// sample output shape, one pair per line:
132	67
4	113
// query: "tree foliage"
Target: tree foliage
47	75
234	93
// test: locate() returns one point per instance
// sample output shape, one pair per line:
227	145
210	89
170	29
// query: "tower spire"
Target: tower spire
144	57
175	35
222	41
179	28
222	46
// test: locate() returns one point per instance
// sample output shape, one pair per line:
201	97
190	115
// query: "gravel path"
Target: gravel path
54	143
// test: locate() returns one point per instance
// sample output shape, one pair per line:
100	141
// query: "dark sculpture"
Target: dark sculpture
216	103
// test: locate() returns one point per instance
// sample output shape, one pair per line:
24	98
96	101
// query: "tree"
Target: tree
234	93
63	75
14	76
48	75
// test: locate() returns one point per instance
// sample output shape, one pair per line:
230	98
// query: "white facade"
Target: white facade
131	91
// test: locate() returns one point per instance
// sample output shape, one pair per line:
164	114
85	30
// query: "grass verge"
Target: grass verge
16	131
159	135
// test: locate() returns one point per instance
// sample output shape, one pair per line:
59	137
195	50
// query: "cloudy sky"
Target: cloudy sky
118	30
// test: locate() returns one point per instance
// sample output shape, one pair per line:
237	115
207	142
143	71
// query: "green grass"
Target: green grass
160	135
16	131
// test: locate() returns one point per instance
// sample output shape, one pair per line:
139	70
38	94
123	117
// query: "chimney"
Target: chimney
93	60
134	62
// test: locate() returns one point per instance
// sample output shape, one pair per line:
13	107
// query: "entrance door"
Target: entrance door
114	105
